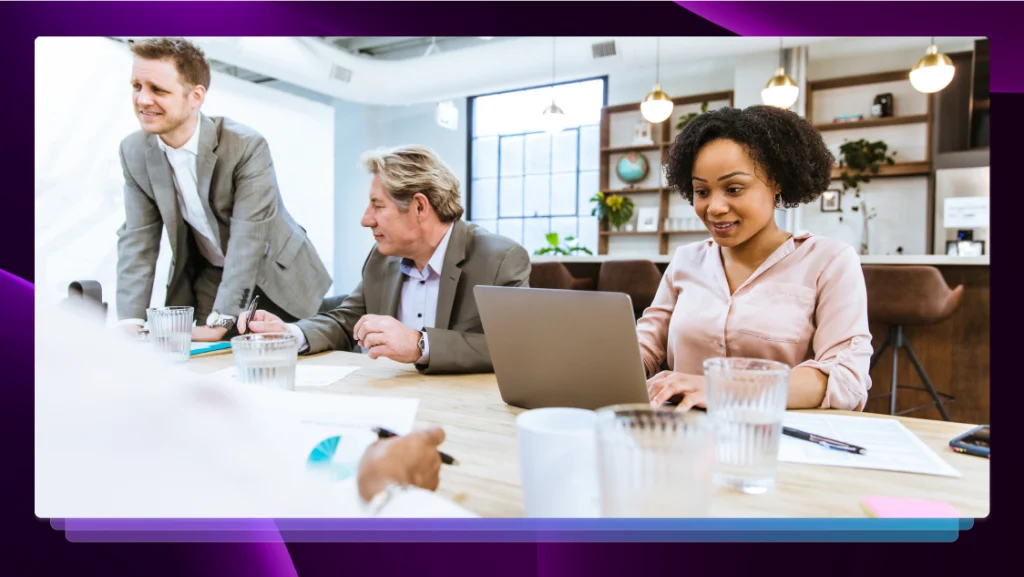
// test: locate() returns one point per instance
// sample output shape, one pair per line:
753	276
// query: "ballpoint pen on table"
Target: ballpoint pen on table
823	441
383	433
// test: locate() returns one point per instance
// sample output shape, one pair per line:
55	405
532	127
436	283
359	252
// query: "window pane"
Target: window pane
590	148
538	153
534	231
486	116
588	233
511	155
563	194
512	228
589	182
485	198
538	195
511	195
565	226
564	156
485	158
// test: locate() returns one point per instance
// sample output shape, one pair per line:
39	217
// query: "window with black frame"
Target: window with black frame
526	182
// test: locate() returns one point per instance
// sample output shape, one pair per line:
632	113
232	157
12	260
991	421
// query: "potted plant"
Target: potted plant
686	118
618	210
556	247
859	159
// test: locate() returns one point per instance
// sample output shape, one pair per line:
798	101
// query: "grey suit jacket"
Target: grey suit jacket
457	345
263	246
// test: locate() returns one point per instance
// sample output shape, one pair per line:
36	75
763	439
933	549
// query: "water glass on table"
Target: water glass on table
655	462
170	330
747	400
266	359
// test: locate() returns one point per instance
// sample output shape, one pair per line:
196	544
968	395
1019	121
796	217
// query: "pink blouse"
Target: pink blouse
805	306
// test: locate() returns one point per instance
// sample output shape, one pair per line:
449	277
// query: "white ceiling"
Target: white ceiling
394	70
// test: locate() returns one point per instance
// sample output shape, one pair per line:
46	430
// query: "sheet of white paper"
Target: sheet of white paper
965	212
890	445
306	375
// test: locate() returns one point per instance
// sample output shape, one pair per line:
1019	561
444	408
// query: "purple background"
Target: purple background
34	548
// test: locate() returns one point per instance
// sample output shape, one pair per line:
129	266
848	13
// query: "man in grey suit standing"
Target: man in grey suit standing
210	181
415	302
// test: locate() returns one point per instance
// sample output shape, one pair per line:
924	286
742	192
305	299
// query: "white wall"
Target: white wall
79	182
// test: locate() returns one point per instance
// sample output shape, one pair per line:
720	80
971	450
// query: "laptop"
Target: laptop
562	348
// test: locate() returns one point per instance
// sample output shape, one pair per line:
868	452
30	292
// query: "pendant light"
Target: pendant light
933	72
553	118
657	106
780	91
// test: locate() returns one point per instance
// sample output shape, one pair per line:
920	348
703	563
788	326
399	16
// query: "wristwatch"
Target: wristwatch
376	503
218	320
423	342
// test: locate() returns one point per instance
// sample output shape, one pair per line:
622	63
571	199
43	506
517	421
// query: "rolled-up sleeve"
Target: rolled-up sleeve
652	327
842	339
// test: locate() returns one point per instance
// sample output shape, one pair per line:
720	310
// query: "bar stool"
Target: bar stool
637	278
901	296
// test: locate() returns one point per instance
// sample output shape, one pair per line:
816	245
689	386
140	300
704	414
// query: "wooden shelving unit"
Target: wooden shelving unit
898	169
662	136
873	122
902	169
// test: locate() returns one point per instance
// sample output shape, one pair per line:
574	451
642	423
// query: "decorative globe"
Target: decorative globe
632	168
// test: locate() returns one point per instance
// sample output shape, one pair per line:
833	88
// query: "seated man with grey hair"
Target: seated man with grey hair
415	302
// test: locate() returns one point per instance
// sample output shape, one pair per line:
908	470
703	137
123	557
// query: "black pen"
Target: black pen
823	441
249	312
383	433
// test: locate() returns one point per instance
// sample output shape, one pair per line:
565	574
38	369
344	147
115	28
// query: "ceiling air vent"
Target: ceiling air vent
340	73
603	49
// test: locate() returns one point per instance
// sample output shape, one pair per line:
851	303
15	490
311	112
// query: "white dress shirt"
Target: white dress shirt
417	306
183	161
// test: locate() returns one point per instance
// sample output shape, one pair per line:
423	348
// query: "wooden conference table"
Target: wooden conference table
481	434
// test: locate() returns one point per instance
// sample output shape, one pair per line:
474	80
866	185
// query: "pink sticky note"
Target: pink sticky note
908	508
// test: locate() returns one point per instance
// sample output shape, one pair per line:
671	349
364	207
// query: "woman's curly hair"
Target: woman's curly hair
787	147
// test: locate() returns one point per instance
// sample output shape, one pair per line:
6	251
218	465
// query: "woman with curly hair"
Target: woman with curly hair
753	289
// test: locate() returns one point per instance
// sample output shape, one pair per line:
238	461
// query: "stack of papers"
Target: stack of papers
889	445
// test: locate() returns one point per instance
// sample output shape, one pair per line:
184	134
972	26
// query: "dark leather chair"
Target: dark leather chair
902	296
637	278
555	275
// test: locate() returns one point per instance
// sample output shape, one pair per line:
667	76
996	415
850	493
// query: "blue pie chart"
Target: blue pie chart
323	458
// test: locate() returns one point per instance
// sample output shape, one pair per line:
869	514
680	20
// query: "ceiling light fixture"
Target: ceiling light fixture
553	118
933	72
657	106
780	91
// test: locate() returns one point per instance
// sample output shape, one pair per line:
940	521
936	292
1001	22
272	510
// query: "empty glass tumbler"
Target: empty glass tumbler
654	462
747	400
170	330
266	359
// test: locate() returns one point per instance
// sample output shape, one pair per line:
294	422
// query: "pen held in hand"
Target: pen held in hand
823	441
249	312
383	433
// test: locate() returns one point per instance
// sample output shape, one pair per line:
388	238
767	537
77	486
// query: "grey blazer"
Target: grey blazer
262	244
458	345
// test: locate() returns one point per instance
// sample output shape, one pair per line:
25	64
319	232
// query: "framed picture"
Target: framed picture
830	201
965	248
647	219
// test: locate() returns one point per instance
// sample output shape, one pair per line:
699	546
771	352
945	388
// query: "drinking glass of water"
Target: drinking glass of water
170	329
654	462
266	359
747	400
